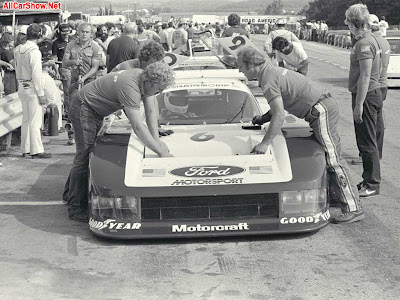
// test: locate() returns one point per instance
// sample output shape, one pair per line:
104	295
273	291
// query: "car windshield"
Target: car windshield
394	46
206	106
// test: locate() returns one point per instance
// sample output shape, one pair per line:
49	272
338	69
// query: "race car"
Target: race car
393	72
213	186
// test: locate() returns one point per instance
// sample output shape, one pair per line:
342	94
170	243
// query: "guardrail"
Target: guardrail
10	114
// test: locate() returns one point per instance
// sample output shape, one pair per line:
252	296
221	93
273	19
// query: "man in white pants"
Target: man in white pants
28	69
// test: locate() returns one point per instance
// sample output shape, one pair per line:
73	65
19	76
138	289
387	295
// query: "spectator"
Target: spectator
7	63
28	69
282	32
110	33
164	37
51	91
58	50
383	26
83	57
234	29
103	97
291	53
170	30
365	66
179	37
190	31
298	95
123	48
151	33
218	29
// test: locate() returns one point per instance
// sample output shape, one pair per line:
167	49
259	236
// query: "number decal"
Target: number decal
202	137
172	57
239	39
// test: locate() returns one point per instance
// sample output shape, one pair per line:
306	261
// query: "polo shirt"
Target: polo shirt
365	47
385	58
90	51
298	92
113	91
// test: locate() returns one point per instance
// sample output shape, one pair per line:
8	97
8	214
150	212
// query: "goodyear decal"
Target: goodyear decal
112	225
308	219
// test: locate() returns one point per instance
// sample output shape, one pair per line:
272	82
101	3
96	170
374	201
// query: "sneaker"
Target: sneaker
71	142
41	155
80	217
25	154
360	185
350	217
367	192
357	161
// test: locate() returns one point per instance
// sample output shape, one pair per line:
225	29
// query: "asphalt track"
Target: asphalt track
44	255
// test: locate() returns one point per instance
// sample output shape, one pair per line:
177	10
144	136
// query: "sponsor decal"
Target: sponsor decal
202	137
207	171
112	225
309	219
208	228
213	181
197	85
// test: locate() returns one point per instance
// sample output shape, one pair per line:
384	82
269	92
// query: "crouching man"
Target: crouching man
286	89
100	98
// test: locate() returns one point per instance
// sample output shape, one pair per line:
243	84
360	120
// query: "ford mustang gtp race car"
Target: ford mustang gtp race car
213	185
393	72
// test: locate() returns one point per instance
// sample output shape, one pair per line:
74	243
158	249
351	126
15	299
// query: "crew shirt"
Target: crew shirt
113	91
90	51
295	57
385	58
298	92
58	48
365	47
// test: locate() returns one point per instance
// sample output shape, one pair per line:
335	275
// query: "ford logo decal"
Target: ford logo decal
207	171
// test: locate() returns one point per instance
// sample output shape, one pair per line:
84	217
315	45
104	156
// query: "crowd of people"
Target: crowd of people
85	58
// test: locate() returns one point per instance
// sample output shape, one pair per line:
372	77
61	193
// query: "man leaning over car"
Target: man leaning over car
288	90
102	97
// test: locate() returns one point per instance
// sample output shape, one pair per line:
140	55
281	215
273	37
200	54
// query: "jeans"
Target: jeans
86	123
366	137
323	119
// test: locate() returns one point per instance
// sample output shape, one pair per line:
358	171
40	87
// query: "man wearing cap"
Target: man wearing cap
280	31
364	75
123	48
297	94
28	69
58	50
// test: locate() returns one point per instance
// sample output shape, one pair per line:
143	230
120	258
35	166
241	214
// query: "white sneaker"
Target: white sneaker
71	141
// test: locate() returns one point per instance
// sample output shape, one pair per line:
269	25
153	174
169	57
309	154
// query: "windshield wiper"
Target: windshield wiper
240	111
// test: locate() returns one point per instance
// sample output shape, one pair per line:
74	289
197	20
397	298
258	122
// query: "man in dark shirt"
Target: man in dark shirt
123	48
298	95
107	94
58	49
234	29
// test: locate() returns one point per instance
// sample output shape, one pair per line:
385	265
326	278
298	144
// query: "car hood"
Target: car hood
208	155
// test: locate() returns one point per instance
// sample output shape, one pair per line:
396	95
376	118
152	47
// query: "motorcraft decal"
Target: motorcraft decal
208	228
112	225
207	171
309	219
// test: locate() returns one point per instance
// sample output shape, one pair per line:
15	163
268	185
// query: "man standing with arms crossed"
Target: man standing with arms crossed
291	91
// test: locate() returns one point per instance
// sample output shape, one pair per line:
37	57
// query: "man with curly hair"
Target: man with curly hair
234	29
122	90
